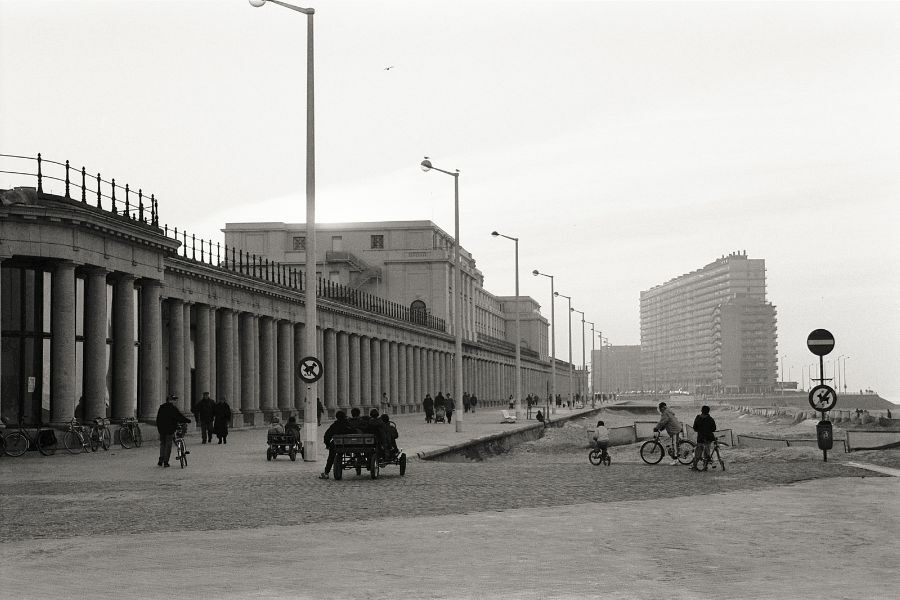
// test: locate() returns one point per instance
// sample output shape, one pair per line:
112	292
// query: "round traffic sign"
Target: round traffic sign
310	369
822	397
820	342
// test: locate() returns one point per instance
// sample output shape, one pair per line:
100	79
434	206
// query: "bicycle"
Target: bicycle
17	442
100	435
76	440
710	454
599	456
130	433
181	451
652	451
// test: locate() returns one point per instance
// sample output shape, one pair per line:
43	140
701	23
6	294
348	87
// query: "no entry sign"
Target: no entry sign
820	342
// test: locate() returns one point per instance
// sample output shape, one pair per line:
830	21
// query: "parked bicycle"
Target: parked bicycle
76	439
17	442
100	435
181	451
130	433
652	451
599	456
710	454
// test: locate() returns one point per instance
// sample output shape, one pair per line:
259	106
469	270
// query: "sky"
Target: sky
624	143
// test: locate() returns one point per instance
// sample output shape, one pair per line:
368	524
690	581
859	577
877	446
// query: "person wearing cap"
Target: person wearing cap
669	423
167	419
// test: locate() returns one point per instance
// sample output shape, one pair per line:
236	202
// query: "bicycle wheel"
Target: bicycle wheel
105	439
16	443
719	458
73	443
125	439
136	434
46	445
182	455
652	452
595	456
94	437
685	452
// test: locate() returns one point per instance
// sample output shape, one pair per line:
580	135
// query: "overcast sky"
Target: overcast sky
624	143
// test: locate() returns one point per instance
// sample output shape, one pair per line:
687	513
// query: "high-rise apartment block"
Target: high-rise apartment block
710	330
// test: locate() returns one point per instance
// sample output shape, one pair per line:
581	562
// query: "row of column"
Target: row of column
496	380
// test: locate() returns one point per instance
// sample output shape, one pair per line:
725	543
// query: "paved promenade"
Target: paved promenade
539	522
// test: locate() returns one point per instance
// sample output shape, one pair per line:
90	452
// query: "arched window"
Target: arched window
417	312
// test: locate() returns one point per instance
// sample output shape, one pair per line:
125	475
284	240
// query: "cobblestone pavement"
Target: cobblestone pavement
254	527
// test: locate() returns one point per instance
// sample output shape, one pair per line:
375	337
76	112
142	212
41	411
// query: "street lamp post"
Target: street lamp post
455	302
569	298
593	346
518	335
552	340
581	389
844	375
310	425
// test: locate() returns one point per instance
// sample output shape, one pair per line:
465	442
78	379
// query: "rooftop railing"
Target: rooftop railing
101	194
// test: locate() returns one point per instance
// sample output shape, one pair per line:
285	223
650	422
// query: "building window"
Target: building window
418	313
300	243
378	242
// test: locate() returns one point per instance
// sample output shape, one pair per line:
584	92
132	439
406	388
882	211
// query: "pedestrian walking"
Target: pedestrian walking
448	401
473	402
167	419
385	402
319	411
465	402
428	408
205	415
221	420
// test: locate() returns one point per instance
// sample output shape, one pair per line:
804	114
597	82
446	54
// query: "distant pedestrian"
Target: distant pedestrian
221	420
448	401
167	419
473	402
205	413
385	402
512	403
320	410
465	402
428	407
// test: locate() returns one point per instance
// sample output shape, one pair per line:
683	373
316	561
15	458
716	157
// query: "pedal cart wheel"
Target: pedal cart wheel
268	454
403	464
373	466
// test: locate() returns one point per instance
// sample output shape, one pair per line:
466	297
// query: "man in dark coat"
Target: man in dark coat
428	407
205	413
167	419
340	426
222	417
705	427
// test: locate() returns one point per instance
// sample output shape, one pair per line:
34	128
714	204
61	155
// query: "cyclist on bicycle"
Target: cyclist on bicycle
168	417
672	426
601	436
705	426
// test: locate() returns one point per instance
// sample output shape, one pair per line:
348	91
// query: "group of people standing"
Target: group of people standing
441	407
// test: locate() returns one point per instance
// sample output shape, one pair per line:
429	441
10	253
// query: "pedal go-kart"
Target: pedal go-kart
359	451
280	444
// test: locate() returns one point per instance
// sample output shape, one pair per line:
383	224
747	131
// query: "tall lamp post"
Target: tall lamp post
455	303
310	425
582	389
518	336
593	346
571	367
552	340
844	374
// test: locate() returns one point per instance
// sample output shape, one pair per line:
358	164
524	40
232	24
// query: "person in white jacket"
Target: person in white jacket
669	423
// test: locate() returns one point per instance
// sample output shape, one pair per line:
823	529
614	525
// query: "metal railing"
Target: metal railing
136	207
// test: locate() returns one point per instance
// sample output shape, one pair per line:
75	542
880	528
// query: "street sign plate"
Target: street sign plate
820	342
310	369
822	397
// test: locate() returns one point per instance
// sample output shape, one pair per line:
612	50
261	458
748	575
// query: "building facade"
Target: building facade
617	370
710	330
104	312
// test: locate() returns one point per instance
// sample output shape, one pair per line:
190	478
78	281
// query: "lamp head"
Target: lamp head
257	3
556	293
495	234
426	165
535	273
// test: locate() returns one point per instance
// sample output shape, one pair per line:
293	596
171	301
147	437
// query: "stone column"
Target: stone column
176	351
123	381
331	371
401	398
202	353
62	344
266	366
237	366
94	392
213	363
377	370
418	363
385	387
343	382
248	393
151	350
188	396
256	419
365	370
285	365
225	351
355	375
394	378
409	400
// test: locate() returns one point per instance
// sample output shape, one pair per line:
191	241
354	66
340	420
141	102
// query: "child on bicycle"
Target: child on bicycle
669	423
601	437
705	427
